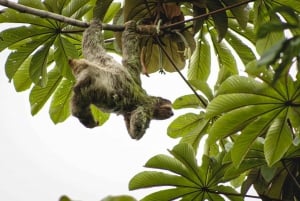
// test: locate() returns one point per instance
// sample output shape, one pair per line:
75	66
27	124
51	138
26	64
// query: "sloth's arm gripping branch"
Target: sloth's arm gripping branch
131	50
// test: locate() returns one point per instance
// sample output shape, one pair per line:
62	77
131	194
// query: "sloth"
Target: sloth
113	87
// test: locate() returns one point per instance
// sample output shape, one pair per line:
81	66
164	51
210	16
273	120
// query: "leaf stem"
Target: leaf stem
204	103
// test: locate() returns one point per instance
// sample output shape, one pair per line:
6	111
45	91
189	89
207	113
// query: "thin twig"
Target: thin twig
178	71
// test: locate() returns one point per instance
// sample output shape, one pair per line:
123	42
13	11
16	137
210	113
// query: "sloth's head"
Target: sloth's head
162	109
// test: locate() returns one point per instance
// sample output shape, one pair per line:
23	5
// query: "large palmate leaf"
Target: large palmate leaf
254	108
188	181
200	68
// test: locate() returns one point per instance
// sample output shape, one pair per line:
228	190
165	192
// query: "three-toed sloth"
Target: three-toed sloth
113	87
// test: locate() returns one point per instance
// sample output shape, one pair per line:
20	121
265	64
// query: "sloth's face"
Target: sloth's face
163	109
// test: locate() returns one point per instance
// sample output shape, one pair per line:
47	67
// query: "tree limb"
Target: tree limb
148	29
42	13
54	16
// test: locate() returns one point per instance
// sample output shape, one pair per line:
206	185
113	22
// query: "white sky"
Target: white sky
42	161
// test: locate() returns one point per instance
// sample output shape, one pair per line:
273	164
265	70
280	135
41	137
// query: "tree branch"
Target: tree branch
54	16
42	13
149	29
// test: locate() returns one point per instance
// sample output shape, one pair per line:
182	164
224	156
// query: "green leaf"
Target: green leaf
193	138
198	24
33	3
204	87
17	35
262	17
73	7
247	165
226	60
64	50
249	135
214	197
188	101
236	120
64	198
272	54
169	194
273	26
21	78
13	16
60	104
229	192
220	19
248	85
183	125
278	141
16	58
261	14
98	115
227	102
165	162
38	64
241	13
56	6
119	198
291	4
111	12
247	32
243	50
186	155
199	67
136	9
100	9
152	179
40	95
268	173
83	12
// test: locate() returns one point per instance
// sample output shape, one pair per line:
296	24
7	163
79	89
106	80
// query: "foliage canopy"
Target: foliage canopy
251	118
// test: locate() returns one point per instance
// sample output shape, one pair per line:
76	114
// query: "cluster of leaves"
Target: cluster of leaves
251	121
